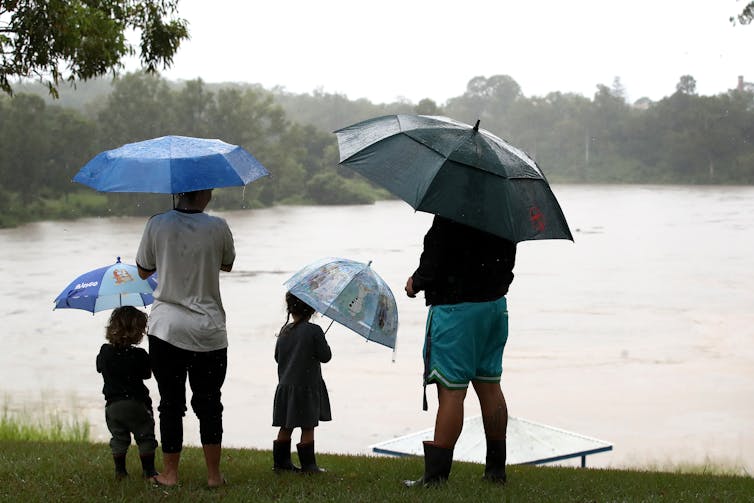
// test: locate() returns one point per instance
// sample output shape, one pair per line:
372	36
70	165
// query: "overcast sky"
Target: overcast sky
413	49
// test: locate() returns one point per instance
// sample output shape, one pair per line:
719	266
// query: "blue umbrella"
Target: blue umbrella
107	288
352	294
170	165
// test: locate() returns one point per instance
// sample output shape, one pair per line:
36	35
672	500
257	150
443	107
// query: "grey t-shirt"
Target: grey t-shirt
187	250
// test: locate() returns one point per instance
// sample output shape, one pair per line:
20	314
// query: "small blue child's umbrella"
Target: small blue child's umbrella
352	294
107	288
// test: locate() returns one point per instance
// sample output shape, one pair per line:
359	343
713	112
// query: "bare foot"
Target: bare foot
163	479
214	483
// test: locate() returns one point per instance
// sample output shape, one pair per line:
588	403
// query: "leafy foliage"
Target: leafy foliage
683	138
70	40
329	112
43	145
746	16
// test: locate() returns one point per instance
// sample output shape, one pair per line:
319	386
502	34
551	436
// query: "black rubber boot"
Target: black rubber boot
307	458
494	469
120	466
281	457
437	464
147	466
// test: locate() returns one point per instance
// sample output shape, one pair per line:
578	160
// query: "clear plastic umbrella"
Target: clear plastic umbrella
352	294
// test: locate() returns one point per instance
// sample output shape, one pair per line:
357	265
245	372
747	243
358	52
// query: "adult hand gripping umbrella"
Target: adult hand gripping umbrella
352	294
107	288
448	168
170	165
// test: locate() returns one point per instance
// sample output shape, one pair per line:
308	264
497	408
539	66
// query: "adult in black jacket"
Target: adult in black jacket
465	274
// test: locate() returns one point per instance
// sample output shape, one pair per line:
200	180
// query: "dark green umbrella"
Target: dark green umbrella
448	168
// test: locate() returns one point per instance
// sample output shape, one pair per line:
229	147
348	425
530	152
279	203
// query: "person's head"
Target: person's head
196	200
126	326
297	307
300	310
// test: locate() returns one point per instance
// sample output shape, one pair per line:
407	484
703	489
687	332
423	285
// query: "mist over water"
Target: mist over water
640	333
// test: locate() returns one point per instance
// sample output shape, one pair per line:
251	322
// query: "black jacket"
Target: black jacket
463	264
124	369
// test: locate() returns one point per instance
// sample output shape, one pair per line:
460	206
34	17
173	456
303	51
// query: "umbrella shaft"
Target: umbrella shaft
328	326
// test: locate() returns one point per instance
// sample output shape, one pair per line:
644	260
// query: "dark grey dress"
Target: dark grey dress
301	398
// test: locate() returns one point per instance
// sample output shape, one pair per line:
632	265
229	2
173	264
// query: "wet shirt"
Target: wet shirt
123	370
187	249
463	264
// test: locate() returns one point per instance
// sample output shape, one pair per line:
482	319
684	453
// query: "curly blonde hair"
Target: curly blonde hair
126	326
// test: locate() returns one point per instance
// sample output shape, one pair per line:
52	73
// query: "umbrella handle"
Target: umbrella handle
328	326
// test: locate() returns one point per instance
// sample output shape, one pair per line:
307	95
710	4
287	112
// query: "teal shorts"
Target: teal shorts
464	342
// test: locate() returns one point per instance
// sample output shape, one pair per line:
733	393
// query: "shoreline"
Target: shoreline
19	414
63	218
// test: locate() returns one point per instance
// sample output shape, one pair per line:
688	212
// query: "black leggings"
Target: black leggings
206	374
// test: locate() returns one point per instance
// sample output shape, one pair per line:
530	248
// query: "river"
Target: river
640	333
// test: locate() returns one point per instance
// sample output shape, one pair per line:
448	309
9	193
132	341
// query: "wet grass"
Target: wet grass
81	471
42	427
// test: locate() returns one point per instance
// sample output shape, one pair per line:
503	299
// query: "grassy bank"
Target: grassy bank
48	457
28	426
82	471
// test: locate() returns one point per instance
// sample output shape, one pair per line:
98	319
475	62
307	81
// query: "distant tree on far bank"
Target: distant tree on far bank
427	107
686	85
64	40
746	16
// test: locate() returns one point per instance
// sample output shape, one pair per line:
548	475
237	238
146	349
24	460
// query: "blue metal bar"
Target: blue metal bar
570	456
581	454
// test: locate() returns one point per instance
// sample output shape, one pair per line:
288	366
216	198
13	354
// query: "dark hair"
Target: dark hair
192	195
297	307
126	326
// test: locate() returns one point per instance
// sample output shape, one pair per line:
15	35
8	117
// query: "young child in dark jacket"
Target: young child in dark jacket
128	407
301	398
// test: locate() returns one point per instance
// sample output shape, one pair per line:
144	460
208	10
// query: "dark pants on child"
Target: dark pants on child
206	374
124	417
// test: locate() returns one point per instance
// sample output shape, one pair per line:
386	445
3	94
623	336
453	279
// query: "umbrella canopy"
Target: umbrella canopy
107	288
448	168
352	294
170	165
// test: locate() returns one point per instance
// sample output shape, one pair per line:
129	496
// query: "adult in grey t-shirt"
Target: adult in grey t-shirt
187	336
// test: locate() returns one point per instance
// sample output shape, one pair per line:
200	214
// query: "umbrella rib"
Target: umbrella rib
458	144
430	147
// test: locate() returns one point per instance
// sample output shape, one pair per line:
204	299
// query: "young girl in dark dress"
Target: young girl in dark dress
128	406
301	398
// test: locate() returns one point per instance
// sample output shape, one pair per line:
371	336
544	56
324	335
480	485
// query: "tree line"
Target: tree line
684	138
43	145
